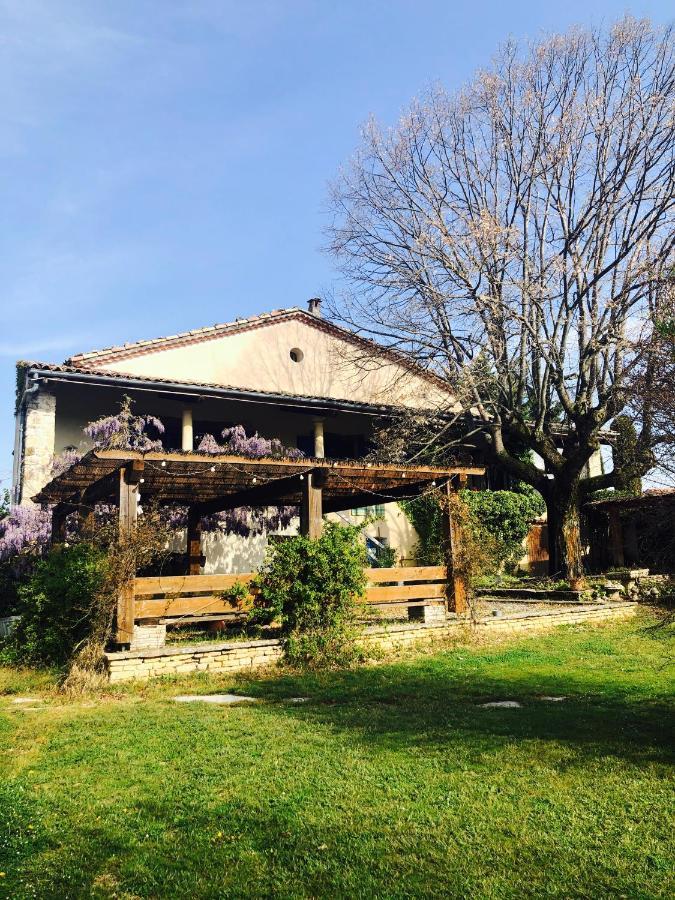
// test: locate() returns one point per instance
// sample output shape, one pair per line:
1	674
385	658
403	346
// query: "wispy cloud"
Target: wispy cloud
32	350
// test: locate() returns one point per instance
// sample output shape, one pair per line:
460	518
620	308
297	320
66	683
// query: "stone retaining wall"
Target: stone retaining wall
234	656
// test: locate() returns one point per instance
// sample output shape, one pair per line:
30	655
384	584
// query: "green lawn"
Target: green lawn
391	781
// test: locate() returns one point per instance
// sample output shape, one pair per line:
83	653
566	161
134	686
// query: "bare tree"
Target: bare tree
652	390
510	237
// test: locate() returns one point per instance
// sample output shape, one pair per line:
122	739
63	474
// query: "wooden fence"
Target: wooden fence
200	597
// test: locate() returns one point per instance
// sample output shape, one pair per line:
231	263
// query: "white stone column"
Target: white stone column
188	433
38	444
318	439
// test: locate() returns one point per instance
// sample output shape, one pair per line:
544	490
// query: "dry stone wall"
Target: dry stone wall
237	656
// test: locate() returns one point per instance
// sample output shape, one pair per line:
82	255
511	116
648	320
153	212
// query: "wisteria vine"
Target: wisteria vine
26	530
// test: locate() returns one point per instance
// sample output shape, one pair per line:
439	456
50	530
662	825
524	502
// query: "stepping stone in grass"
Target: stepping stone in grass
19	700
297	699
554	699
223	699
504	704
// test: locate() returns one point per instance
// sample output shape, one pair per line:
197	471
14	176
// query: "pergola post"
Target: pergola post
194	541
128	514
616	554
311	507
452	537
85	514
59	515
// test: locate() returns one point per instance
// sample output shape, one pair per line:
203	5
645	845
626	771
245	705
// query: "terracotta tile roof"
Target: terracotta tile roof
66	369
195	335
211	332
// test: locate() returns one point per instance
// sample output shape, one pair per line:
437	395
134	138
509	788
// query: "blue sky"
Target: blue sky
164	162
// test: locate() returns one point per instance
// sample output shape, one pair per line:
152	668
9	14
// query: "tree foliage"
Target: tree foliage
55	605
311	589
498	523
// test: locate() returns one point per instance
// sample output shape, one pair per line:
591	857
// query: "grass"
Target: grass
390	781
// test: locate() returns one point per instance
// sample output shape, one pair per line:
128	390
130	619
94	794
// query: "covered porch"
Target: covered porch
210	483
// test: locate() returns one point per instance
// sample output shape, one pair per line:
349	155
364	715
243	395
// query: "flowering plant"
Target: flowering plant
253	446
125	430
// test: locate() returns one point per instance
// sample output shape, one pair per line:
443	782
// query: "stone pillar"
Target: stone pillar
431	614
38	444
319	450
187	441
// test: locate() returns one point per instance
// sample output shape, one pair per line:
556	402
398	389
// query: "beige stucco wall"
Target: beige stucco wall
259	359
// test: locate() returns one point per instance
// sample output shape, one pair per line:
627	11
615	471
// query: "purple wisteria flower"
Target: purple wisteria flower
255	446
126	431
63	461
24	529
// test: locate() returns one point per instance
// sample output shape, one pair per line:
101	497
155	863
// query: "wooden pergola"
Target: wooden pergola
210	483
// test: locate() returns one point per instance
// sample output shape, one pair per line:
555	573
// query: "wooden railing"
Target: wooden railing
200	596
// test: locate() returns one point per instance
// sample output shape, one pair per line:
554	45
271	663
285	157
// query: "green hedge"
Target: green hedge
56	605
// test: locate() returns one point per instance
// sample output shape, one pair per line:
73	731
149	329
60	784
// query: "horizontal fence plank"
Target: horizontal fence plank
405	592
187	584
185	606
407	573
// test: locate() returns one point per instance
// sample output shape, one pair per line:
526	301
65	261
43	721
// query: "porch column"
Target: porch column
128	514
187	439
311	509
319	450
452	537
194	541
616	554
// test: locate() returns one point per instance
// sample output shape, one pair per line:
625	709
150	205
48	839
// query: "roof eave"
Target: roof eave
196	389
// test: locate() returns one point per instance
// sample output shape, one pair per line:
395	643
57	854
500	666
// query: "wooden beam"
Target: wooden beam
452	536
363	498
124	630
311	508
194	541
267	494
128	503
616	553
87	521
128	514
59	516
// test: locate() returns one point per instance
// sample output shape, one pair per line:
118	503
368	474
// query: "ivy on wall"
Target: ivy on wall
499	521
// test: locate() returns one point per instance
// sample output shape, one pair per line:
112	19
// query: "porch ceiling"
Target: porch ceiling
218	482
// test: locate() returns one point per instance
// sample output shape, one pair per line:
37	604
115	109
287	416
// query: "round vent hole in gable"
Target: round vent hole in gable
297	355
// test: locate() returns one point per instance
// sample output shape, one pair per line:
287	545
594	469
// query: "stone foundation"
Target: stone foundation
236	656
432	613
148	637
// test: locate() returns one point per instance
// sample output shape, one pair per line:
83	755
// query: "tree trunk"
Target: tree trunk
563	510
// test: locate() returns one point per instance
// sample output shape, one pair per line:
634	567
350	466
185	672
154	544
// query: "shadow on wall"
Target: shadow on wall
232	554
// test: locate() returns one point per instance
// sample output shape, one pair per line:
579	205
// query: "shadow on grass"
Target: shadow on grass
427	705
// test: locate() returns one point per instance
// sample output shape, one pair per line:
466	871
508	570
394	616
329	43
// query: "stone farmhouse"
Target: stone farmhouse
289	374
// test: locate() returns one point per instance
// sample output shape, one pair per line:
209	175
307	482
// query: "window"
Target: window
297	355
376	511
